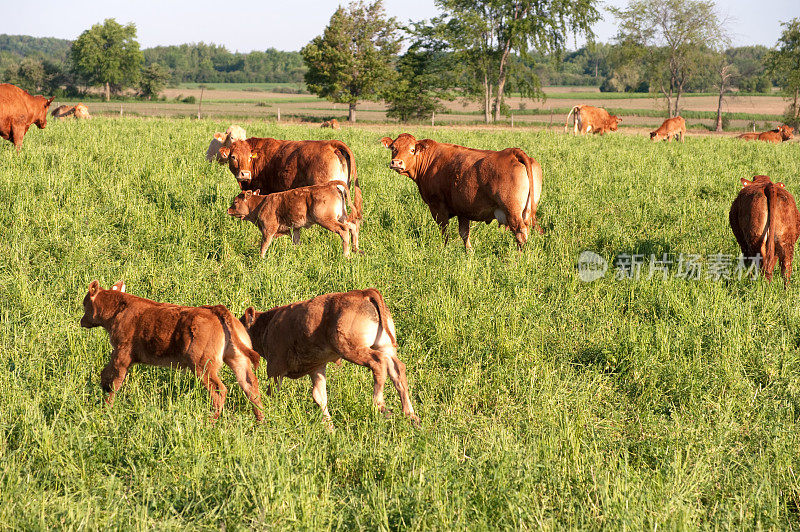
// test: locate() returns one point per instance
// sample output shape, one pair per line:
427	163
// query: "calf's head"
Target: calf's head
614	120
406	152
96	306
241	208
240	160
787	132
41	116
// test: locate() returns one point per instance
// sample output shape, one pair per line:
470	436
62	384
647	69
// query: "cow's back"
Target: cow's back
289	164
14	101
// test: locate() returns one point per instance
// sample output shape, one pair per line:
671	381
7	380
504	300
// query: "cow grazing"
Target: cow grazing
332	123
79	111
302	338
776	136
142	331
280	213
765	221
590	119
672	127
479	185
18	110
220	140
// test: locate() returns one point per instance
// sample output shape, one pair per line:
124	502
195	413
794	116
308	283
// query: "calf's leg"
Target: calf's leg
113	375
266	238
319	391
296	236
209	376
463	230
240	365
340	229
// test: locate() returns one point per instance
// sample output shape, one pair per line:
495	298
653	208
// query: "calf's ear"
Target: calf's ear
745	182
224	152
119	286
386	142
49	101
780	184
249	317
94	288
257	192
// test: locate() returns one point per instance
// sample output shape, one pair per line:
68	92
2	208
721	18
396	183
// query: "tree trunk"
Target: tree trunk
501	81
719	108
796	110
487	98
108	91
351	113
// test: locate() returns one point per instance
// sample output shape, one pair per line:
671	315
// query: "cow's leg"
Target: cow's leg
209	376
382	362
442	218
266	238
397	372
463	230
340	229
113	375
17	134
785	256
319	392
240	365
296	236
518	227
276	382
353	227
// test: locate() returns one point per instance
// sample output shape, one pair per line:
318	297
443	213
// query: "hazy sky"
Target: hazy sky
289	24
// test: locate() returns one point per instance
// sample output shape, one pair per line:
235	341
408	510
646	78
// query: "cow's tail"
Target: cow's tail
772	204
523	158
231	335
571	111
352	176
376	298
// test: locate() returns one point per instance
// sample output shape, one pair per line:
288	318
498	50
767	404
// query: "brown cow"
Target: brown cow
480	185
79	111
332	123
592	119
280	213
142	331
301	338
765	221
220	140
776	136
672	127
18	110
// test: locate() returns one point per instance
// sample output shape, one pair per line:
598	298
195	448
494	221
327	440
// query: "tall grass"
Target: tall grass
545	402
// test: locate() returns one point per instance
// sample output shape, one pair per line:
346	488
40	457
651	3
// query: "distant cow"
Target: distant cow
18	110
332	123
479	185
281	213
220	140
672	127
302	338
142	331
590	119
765	221
79	111
776	136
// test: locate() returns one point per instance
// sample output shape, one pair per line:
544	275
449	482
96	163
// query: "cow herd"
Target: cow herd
289	185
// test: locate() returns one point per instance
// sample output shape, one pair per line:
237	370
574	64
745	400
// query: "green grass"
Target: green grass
545	402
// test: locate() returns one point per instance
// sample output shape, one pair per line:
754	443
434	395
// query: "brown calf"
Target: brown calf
280	213
776	136
79	111
18	110
142	331
672	127
302	338
332	123
590	119
765	221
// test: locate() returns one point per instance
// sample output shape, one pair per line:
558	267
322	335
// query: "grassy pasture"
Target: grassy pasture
546	402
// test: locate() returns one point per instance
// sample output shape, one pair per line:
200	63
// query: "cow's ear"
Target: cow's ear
119	286
386	142
248	193
49	101
780	184
94	288
745	182
219	136
254	155
249	317
257	192
224	152
420	147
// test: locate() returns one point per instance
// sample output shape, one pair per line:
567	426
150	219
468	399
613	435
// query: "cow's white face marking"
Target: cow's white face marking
500	216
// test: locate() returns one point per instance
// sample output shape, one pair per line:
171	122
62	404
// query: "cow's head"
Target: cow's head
654	135
240	160
613	120
757	180
406	152
240	208
787	132
95	309
41	117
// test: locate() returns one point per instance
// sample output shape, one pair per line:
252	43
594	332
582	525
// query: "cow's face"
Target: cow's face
405	151
92	309
612	123
41	118
787	132
240	208
240	160
654	135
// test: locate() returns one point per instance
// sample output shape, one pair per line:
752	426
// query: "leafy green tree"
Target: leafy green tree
487	33
153	80
784	63
352	60
108	54
28	74
673	36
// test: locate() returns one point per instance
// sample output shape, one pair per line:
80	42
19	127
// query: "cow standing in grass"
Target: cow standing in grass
18	110
765	221
472	185
590	119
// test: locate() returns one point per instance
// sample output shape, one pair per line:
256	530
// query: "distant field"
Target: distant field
235	101
546	402
264	87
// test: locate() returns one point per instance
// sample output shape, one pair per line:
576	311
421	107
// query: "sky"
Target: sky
289	24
